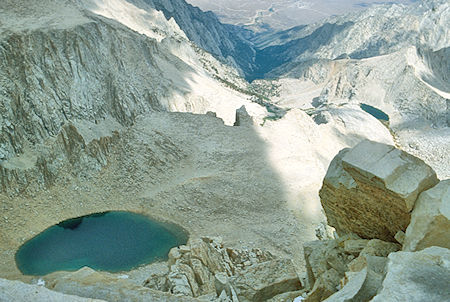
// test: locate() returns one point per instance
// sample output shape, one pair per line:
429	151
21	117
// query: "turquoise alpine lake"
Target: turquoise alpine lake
375	112
109	241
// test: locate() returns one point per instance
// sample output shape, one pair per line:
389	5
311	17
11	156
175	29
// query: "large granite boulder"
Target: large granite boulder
430	224
417	277
21	292
371	189
195	269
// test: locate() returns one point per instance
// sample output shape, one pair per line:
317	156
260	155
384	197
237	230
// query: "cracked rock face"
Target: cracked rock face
430	222
371	189
419	276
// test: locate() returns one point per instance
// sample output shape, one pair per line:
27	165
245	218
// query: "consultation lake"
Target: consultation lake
110	241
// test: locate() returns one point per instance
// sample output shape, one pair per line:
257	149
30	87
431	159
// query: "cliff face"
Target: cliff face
75	65
204	29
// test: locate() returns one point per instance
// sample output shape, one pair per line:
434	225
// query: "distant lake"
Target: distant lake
109	241
375	112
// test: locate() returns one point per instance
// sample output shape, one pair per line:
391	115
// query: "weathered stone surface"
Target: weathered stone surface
91	284
222	283
325	286
242	117
355	247
400	237
430	219
287	297
179	284
157	281
21	292
351	289
324	231
330	263
377	247
371	189
173	256
203	268
416	277
363	284
265	280
316	263
320	256
211	253
182	280
203	276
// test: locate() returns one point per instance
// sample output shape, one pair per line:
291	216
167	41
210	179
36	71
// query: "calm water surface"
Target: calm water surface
375	112
110	241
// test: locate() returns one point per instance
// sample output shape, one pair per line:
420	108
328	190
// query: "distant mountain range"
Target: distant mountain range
263	15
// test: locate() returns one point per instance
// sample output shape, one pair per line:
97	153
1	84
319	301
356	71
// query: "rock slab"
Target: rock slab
263	281
430	219
101	285
21	292
371	189
416	277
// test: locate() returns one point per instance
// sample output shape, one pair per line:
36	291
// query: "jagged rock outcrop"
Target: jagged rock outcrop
419	276
371	189
331	264
204	267
21	292
321	256
430	219
243	118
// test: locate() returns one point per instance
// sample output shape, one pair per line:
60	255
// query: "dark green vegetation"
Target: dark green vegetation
110	241
375	112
